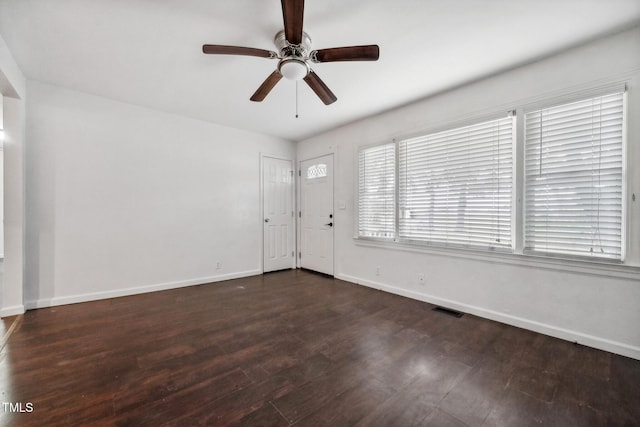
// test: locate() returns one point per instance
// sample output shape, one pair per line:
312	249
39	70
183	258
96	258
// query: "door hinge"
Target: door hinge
299	214
293	253
299	254
299	172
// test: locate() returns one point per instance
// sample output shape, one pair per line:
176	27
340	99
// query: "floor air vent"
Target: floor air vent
448	311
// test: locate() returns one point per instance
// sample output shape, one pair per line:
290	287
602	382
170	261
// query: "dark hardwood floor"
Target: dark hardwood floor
298	348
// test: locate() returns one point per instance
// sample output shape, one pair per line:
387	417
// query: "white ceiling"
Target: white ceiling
148	52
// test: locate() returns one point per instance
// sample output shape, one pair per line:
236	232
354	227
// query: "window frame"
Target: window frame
480	120
590	265
357	235
559	101
470	121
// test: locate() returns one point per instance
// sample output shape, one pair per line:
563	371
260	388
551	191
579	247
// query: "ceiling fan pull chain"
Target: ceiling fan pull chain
296	99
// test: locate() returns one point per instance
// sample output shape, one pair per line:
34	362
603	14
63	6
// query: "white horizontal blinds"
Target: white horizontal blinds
455	187
376	192
573	178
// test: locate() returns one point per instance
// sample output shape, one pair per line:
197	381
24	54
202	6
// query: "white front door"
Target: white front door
278	219
316	216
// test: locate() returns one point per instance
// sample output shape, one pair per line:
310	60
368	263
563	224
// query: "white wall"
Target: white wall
12	86
12	81
596	307
123	199
14	209
1	189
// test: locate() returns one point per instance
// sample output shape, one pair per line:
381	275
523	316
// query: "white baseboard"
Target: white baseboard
11	311
546	329
94	296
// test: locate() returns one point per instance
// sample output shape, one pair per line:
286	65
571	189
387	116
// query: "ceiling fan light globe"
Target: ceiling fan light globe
293	69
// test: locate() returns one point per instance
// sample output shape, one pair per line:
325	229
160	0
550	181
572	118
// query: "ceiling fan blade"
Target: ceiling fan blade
266	86
349	53
237	50
321	89
293	15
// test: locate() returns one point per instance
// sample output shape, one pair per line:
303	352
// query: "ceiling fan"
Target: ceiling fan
294	54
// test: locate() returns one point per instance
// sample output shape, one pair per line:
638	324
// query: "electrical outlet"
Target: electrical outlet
421	278
218	265
377	270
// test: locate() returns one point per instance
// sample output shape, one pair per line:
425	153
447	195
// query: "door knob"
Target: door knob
330	224
267	220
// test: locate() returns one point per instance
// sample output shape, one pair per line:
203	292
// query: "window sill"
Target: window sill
594	268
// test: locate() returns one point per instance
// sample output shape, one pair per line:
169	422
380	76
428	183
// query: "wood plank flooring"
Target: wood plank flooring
296	348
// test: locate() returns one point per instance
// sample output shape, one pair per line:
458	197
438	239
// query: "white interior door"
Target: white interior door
278	214
316	216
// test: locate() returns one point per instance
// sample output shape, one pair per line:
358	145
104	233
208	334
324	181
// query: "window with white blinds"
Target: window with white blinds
455	187
574	178
376	192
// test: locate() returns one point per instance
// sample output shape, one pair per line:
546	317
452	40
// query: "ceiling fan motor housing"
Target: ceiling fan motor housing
293	65
287	49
